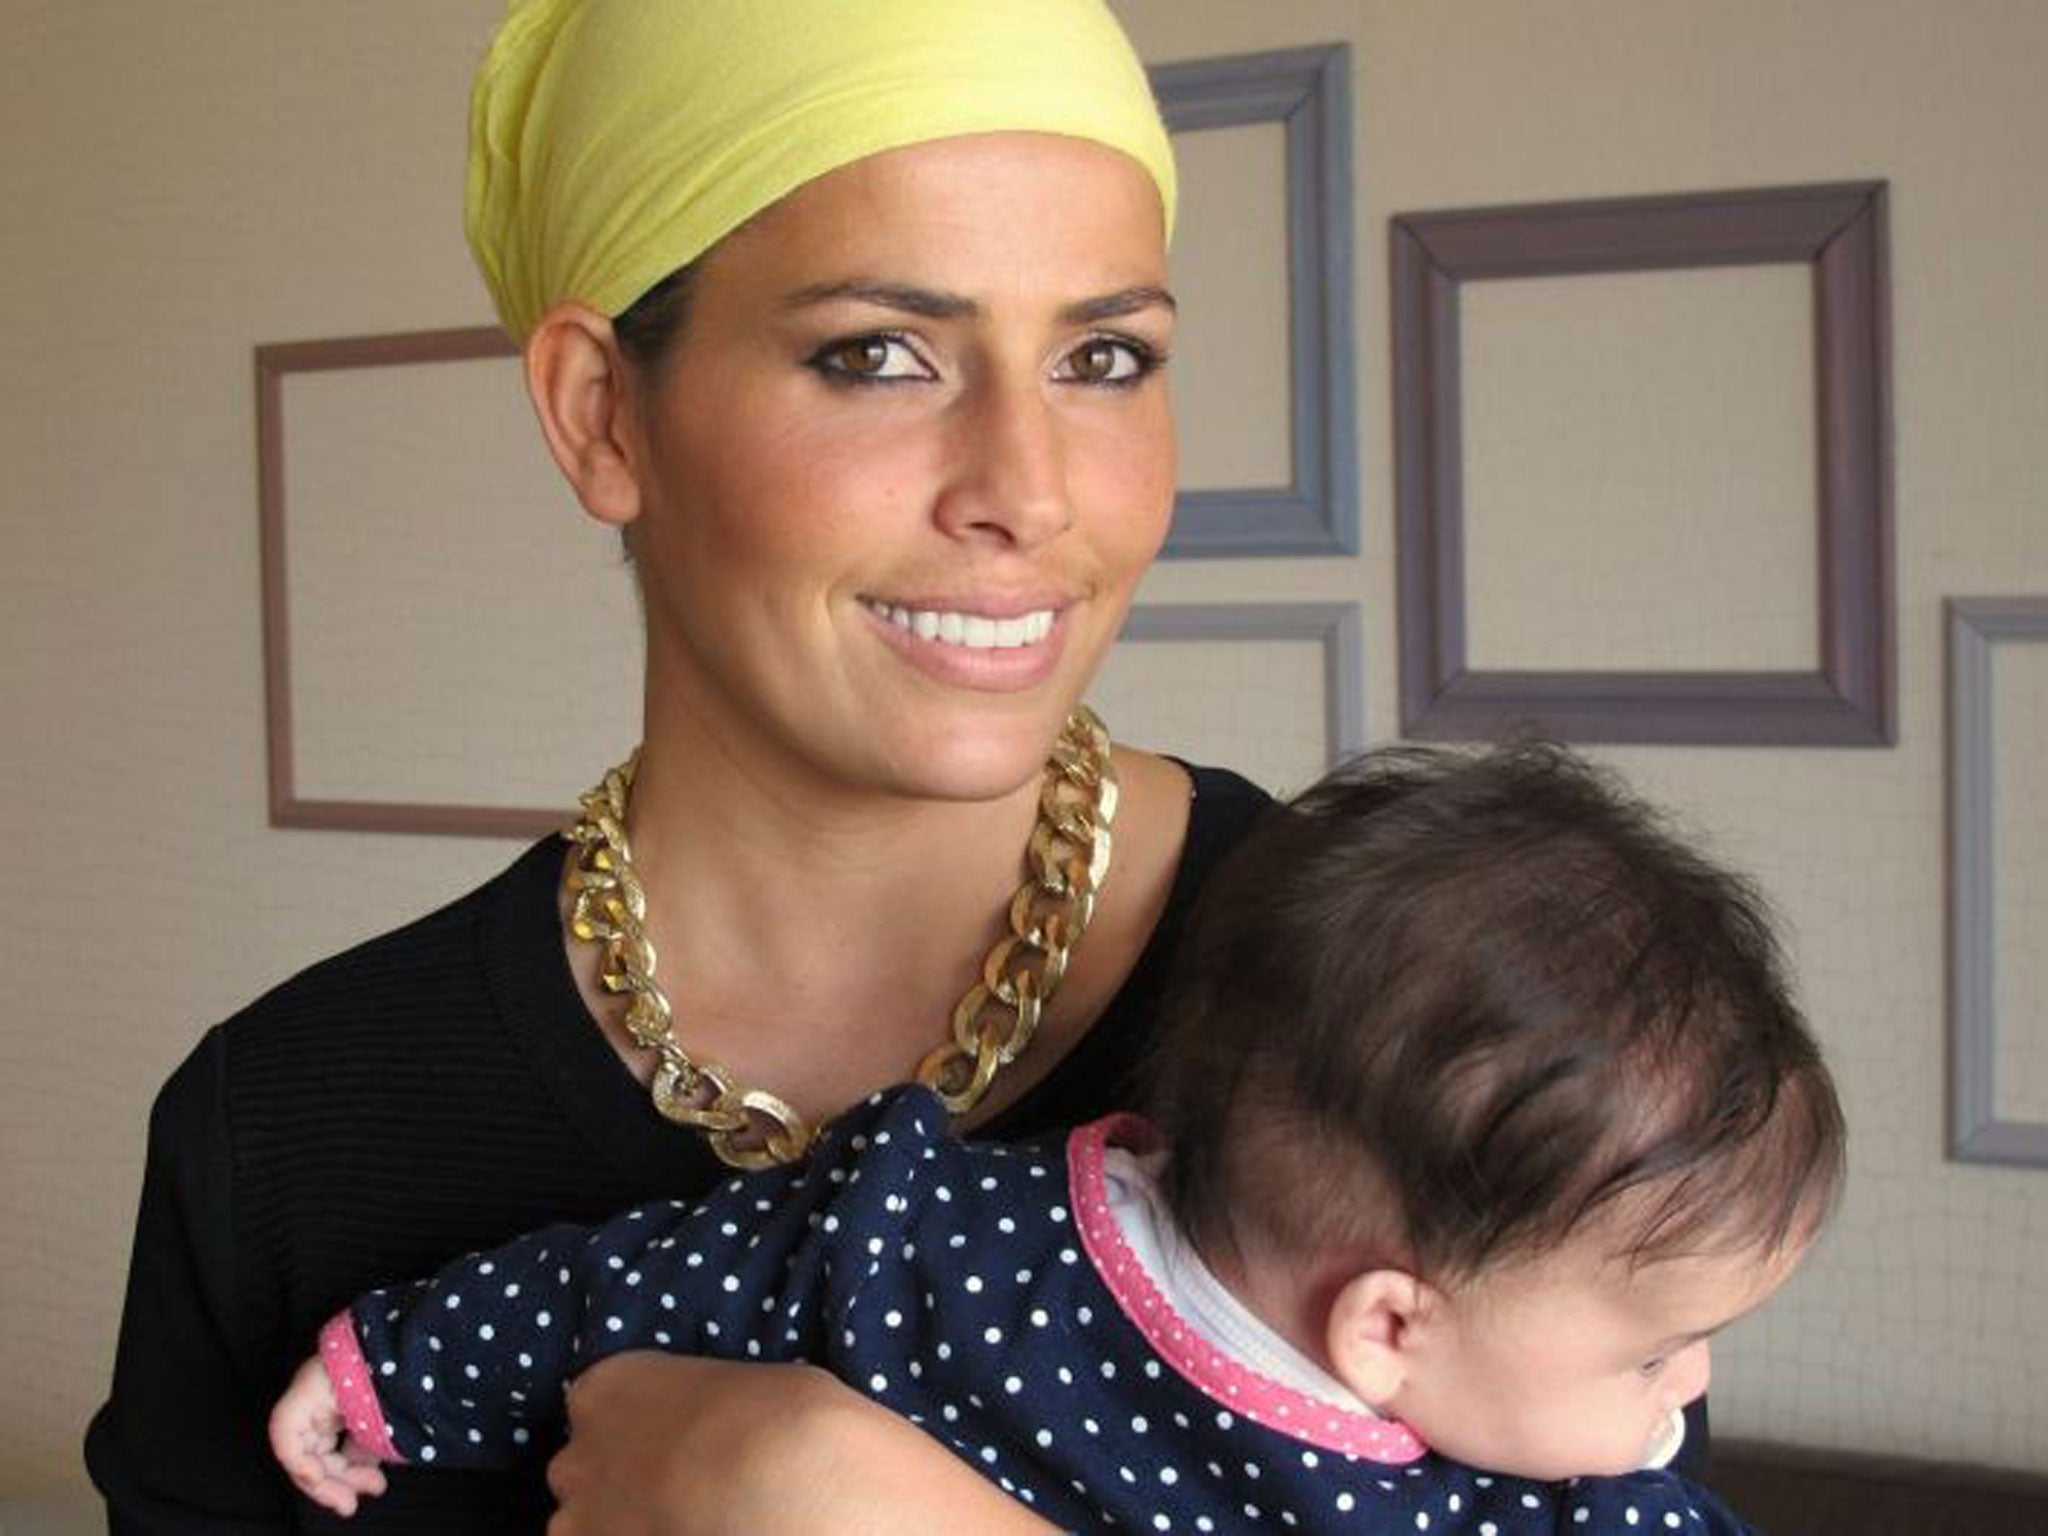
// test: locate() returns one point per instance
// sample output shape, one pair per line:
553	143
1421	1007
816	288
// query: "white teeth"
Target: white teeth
972	631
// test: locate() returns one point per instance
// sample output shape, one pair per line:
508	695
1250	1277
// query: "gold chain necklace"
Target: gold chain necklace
993	1022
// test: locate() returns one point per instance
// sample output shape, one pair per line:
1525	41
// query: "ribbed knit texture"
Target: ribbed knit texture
436	1090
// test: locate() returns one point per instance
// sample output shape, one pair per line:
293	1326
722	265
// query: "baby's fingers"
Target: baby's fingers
310	1475
303	1452
337	1480
346	1477
334	1476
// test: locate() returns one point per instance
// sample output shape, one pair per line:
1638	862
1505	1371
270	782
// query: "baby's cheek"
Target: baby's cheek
1624	1442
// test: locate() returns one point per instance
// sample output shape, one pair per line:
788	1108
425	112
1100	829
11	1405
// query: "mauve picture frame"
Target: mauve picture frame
1307	91
1838	230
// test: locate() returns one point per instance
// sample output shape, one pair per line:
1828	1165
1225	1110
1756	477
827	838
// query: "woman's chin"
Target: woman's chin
975	753
978	770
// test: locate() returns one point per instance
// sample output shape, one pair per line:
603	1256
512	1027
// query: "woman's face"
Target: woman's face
908	460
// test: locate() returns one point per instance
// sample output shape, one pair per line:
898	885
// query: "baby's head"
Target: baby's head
1488	1092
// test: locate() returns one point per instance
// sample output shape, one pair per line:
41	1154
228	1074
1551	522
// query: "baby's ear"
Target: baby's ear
1372	1332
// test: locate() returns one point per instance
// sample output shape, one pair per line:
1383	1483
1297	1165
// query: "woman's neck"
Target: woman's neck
814	940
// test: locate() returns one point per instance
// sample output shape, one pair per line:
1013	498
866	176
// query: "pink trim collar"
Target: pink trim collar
1236	1387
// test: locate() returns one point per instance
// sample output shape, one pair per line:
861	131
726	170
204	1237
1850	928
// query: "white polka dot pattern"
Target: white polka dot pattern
950	1283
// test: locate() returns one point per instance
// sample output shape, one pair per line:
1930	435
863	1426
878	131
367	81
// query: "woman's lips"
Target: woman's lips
961	646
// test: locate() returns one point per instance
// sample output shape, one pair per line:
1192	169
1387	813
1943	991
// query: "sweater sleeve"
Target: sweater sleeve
179	1447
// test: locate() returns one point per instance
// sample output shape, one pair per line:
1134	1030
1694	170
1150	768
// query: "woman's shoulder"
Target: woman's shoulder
385	983
428	1090
1223	806
1212	809
1188	817
387	1050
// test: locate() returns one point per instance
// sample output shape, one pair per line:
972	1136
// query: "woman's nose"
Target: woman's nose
1009	475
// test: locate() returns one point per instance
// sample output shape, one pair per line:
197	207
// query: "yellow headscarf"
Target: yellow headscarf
613	141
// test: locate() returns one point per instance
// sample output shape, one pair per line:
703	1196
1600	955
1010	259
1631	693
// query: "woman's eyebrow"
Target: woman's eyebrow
929	303
1125	301
935	304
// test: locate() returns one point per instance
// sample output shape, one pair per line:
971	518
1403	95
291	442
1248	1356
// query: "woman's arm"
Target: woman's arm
178	1447
660	1445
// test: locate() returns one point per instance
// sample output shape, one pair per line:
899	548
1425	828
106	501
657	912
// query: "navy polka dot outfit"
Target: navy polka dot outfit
962	1285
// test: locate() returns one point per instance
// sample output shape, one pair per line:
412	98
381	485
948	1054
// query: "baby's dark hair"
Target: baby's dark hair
1446	1010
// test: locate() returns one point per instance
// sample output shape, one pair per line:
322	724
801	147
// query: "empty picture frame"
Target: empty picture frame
1335	628
288	806
1308	92
1837	230
1976	1132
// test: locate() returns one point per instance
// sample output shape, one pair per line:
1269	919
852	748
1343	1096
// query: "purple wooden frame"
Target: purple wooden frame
1840	231
287	807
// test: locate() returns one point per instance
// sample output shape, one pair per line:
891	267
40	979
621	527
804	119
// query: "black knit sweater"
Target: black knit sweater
439	1089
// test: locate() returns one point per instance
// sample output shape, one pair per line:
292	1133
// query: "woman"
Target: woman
852	320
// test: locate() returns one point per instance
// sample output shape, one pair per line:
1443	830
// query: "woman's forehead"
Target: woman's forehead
989	208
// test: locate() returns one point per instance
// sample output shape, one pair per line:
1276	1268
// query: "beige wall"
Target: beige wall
181	183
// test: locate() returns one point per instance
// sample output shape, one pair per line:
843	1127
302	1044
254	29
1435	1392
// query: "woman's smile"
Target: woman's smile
976	631
987	648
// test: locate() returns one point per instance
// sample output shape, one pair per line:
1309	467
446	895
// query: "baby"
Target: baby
1477	1107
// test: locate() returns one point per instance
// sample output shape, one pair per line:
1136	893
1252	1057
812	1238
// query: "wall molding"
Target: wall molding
1976	625
1837	230
1336	627
1308	91
288	808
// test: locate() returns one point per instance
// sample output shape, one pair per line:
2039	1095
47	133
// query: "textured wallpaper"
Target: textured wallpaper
184	183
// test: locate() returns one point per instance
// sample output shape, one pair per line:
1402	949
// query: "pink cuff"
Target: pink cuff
354	1391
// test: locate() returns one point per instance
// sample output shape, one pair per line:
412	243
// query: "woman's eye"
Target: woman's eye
869	359
1108	360
1652	1368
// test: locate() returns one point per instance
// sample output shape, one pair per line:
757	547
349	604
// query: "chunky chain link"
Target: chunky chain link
1068	857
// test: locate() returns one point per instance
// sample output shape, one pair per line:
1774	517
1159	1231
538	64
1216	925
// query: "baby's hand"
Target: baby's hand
310	1442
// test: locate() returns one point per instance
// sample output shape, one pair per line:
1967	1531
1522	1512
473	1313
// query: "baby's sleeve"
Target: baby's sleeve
467	1369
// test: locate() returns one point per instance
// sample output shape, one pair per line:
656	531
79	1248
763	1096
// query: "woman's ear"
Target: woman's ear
1373	1333
582	392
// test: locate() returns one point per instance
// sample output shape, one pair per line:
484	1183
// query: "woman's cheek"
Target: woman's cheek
1132	472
